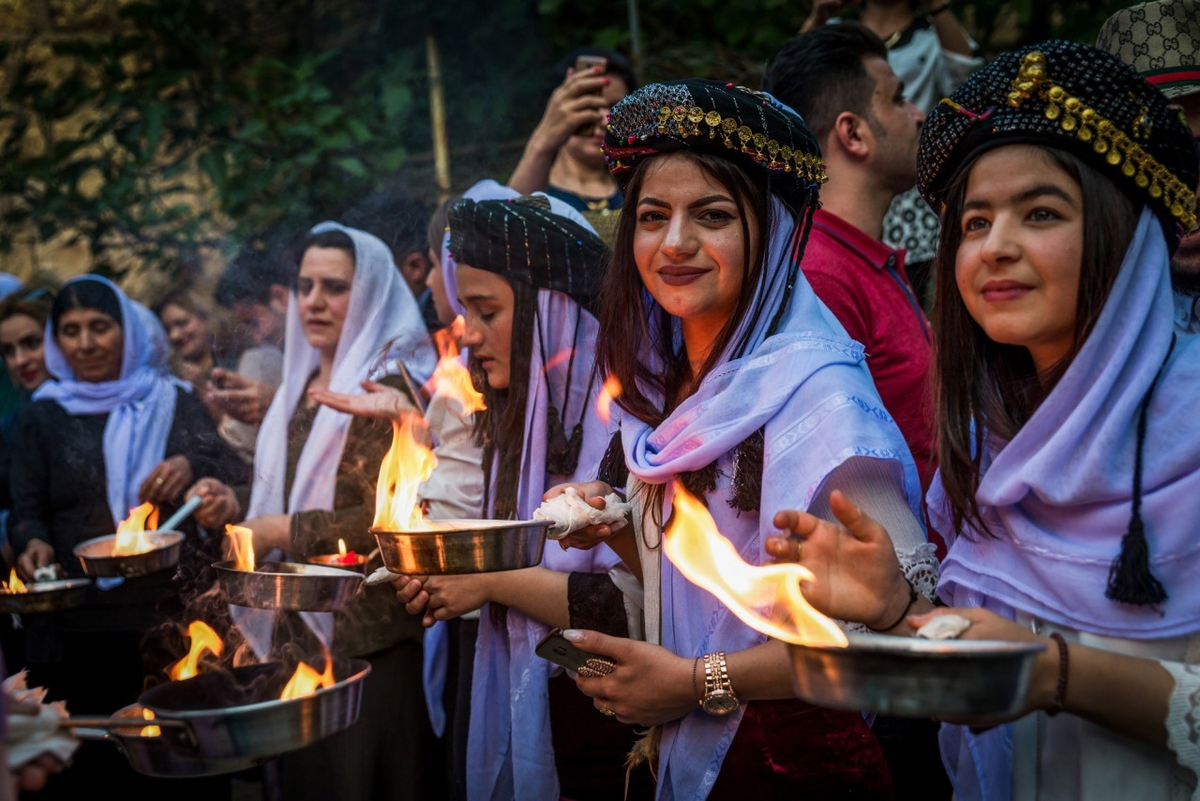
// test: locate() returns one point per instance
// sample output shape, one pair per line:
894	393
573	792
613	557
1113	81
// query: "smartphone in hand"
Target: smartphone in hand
563	652
587	64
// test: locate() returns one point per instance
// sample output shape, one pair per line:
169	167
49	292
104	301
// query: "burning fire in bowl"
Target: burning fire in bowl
901	676
282	585
42	596
137	548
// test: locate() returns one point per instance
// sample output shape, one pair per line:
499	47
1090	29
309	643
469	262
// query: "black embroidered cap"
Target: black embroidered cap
523	240
1072	96
750	128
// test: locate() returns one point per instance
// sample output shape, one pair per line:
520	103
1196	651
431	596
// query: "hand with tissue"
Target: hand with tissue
33	738
579	506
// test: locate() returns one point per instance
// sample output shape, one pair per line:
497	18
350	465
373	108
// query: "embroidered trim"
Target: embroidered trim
1119	149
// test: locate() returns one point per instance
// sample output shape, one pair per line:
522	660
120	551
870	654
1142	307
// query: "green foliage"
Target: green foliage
197	120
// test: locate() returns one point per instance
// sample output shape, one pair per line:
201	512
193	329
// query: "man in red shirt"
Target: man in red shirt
837	77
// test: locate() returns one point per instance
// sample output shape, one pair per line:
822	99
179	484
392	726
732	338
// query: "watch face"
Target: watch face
720	702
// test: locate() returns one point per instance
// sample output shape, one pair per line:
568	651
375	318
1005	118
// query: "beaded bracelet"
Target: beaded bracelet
912	599
1060	692
695	663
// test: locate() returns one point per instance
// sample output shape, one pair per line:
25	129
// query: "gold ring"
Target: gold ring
604	710
596	666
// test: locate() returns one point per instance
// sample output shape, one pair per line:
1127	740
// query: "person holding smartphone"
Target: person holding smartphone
564	156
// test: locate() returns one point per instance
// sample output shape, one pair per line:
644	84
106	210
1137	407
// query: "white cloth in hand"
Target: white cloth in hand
30	736
570	512
381	576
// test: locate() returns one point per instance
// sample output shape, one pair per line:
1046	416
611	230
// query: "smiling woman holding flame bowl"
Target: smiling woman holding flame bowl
1069	481
350	319
742	386
114	430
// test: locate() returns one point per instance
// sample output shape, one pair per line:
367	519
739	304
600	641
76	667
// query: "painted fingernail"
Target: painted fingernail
572	635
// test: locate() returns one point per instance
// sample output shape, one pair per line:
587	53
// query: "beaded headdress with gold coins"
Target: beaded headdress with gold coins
750	128
1074	97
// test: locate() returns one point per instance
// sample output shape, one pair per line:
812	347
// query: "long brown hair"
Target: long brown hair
626	308
500	428
983	387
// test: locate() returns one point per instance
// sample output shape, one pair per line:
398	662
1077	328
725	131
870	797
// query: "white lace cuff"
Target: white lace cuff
1183	717
920	566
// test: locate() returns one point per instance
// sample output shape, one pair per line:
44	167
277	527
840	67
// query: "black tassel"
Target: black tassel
613	470
747	474
562	454
1129	579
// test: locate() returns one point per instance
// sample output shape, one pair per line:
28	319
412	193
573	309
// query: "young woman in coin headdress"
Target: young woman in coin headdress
526	274
740	384
1069	462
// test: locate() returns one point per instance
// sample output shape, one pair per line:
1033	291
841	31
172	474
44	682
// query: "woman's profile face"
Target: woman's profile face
323	295
21	343
1019	261
186	331
488	299
92	343
689	244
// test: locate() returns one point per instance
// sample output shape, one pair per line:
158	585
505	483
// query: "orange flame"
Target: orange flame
242	539
149	731
608	393
406	464
131	532
710	561
203	639
14	584
306	680
450	378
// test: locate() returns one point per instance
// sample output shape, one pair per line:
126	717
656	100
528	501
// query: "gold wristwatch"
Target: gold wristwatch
718	692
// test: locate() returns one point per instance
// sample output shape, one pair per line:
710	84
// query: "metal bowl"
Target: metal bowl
162	756
45	596
95	555
463	546
911	677
236	714
288	585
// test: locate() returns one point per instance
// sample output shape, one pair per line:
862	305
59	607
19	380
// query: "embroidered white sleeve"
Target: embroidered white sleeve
921	567
1183	717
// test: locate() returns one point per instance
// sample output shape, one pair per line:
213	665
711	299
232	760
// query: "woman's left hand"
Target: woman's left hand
987	625
453	596
167	481
649	686
270	532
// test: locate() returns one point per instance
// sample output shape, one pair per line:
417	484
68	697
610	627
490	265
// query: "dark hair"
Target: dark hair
618	67
396	217
625	307
86	295
500	428
435	232
250	276
821	74
984	387
31	301
337	240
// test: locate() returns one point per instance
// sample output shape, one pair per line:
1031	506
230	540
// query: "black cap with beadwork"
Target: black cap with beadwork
750	128
523	240
1075	97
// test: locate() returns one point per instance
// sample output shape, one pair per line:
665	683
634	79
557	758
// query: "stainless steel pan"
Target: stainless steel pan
912	677
95	555
46	596
464	546
289	585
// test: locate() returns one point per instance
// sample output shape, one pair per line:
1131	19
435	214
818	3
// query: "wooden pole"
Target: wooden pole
437	113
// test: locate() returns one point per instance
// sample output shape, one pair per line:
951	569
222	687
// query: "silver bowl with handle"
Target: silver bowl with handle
911	677
96	557
463	546
288	585
45	596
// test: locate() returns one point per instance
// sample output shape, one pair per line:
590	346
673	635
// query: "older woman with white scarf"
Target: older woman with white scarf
351	320
114	430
